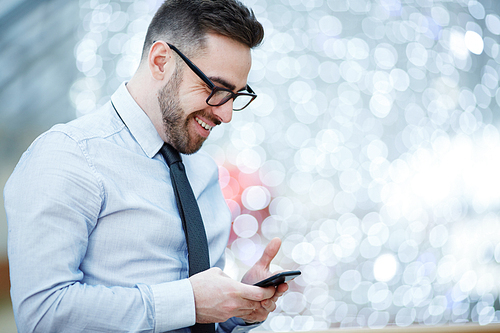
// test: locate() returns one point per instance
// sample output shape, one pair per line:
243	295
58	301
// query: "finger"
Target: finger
260	314
280	290
253	293
268	305
255	316
270	252
249	306
248	314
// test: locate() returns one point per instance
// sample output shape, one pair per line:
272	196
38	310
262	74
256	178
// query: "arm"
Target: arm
53	201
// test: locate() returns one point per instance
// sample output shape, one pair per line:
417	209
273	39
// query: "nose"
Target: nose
224	112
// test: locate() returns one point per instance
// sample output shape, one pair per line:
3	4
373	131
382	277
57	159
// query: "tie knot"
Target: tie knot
170	154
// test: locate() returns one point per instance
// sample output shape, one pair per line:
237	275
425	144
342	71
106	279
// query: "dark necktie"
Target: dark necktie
192	223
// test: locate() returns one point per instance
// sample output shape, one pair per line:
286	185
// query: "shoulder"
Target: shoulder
101	123
64	147
56	165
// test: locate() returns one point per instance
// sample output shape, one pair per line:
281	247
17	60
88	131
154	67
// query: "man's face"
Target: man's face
187	119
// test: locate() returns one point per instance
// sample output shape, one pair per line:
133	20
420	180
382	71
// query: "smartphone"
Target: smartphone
278	279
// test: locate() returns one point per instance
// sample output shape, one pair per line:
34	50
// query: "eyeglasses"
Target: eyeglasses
220	95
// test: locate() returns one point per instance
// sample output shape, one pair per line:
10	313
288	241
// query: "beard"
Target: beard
175	121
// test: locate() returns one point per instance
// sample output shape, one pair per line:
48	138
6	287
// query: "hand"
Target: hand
258	272
217	297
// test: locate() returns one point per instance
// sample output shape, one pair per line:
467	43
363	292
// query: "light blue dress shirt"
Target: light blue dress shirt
95	241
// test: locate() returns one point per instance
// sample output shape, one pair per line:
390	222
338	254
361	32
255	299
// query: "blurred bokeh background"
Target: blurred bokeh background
373	149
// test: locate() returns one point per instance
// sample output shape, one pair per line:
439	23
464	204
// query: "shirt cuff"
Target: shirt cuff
236	325
174	305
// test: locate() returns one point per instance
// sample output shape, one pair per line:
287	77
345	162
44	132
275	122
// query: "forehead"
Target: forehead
225	59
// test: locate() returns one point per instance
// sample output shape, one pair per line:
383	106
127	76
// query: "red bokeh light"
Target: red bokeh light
233	182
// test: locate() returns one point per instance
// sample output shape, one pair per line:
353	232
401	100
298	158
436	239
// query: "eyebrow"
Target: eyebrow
225	83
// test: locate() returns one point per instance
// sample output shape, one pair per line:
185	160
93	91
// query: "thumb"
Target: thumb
270	252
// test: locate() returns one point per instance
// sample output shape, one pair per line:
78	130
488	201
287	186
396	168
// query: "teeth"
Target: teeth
204	124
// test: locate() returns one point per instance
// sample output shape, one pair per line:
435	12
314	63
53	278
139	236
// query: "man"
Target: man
96	243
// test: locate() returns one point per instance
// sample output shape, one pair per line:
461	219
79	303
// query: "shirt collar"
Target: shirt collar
137	121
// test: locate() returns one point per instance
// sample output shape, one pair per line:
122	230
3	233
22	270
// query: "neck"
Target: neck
145	94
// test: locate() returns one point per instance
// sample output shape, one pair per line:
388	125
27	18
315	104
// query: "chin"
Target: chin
192	150
190	147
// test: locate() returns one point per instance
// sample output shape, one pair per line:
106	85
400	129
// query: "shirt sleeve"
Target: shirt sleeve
53	200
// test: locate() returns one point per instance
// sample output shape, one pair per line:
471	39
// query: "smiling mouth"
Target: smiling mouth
203	124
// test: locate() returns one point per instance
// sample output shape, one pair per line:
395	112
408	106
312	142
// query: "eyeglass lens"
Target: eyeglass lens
220	97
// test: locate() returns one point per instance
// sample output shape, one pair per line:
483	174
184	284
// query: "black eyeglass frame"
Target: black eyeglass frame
212	86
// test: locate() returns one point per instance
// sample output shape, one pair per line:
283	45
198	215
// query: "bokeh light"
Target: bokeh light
372	151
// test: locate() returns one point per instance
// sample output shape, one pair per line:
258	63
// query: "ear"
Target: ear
160	60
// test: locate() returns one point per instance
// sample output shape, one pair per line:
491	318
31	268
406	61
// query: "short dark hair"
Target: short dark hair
185	23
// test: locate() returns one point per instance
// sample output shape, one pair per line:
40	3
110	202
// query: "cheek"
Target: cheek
193	99
193	93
